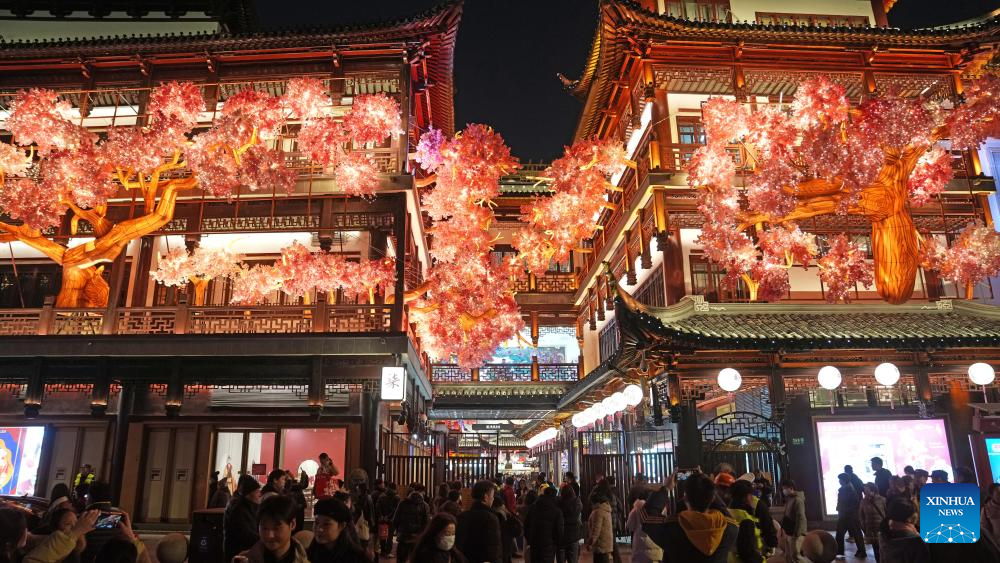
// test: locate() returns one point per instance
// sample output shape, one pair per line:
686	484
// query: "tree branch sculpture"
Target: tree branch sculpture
55	167
824	157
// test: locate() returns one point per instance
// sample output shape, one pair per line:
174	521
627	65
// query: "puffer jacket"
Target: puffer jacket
59	545
411	517
543	527
258	554
239	525
572	525
872	515
694	537
601	536
644	550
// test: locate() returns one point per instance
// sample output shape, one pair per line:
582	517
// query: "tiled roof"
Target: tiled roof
692	323
621	20
236	15
437	27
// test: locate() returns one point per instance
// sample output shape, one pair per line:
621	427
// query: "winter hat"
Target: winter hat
724	480
746	477
333	509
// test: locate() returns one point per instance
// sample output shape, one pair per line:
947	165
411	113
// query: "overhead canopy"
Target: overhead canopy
693	324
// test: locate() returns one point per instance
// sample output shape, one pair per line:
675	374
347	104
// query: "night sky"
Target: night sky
509	52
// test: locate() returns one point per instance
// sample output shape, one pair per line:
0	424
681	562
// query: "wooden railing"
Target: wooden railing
506	373
183	319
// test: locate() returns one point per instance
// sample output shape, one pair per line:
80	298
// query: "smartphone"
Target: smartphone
685	472
108	520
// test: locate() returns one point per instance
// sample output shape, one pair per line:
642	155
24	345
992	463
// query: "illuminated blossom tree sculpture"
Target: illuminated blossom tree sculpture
466	308
199	267
973	257
825	157
56	167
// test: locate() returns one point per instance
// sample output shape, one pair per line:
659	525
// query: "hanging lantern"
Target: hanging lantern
887	374
599	410
577	420
730	380
829	378
633	395
609	406
618	401
981	373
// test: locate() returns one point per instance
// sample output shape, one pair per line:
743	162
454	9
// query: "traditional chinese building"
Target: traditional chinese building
157	391
662	314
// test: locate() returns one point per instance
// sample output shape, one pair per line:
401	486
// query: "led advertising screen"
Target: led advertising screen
20	452
993	455
922	443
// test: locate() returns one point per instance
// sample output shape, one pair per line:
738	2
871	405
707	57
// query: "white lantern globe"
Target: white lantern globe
609	406
618	401
982	373
633	395
599	411
829	378
577	420
730	380
887	374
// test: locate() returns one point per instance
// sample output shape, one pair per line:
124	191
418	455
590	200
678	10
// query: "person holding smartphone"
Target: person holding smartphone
113	523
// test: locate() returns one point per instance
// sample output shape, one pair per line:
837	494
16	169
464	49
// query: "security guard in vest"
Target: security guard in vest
749	546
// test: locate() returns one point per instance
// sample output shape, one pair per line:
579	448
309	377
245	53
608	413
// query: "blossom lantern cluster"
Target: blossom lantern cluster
55	165
824	156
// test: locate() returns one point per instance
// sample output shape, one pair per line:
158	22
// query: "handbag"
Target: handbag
364	534
383	531
787	525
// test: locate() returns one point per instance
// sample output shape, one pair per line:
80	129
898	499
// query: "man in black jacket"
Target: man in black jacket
385	509
543	527
700	534
848	504
882	476
410	519
478	531
239	524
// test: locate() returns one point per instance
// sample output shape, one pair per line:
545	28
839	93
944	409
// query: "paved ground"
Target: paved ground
152	540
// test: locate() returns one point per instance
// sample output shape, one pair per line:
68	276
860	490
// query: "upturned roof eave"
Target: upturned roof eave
621	17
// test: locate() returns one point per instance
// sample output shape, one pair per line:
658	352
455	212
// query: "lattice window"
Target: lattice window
609	339
445	372
558	372
505	372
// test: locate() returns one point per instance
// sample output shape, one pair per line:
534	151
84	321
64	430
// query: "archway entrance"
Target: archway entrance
745	440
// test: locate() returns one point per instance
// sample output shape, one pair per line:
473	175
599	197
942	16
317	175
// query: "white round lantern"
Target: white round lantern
609	406
981	373
730	380
619	402
599	411
633	395
887	374
577	420
829	378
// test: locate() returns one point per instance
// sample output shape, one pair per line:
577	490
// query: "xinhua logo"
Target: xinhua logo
949	513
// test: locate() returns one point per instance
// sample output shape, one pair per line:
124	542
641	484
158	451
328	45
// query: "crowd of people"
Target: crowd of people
80	526
884	514
693	517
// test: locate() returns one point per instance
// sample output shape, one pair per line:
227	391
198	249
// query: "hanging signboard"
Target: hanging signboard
393	383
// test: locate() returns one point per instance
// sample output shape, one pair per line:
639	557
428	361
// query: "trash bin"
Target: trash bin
206	536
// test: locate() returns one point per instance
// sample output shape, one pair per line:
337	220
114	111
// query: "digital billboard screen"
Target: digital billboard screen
993	455
922	443
20	453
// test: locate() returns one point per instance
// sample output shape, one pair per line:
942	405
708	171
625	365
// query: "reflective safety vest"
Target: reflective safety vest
739	515
86	480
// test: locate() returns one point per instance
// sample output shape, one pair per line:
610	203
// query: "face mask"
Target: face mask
445	543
